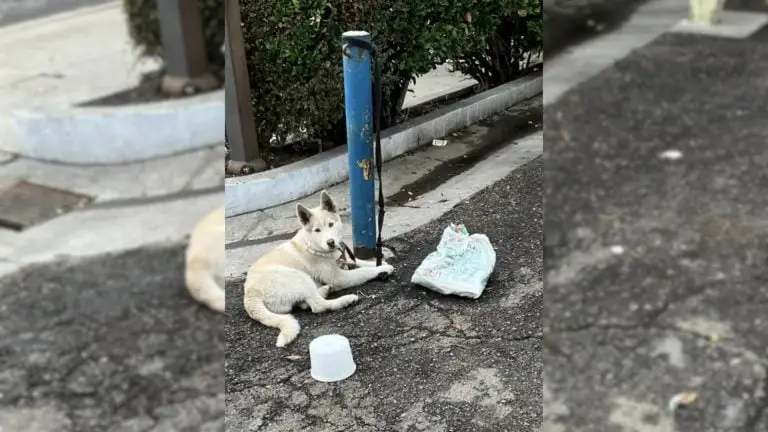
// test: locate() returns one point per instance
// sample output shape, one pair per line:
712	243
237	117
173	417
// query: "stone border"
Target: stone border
288	183
116	135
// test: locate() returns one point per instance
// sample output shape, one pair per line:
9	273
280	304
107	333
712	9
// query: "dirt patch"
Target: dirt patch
146	91
276	157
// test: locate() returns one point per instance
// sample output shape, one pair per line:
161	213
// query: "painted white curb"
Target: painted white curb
290	182
115	135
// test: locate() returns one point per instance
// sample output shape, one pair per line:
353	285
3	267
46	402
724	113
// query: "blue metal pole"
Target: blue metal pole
358	104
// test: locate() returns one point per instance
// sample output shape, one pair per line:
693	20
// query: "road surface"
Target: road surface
109	344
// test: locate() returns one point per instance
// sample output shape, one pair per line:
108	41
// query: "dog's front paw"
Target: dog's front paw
386	269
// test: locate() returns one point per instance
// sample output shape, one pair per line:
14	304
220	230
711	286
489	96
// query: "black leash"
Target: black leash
377	130
347	260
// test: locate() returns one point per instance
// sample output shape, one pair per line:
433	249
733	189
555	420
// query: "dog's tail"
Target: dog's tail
202	286
286	323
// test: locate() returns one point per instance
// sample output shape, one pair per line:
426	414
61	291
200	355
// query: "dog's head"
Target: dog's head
321	225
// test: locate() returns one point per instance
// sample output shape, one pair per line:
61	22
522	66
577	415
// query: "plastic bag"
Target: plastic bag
461	265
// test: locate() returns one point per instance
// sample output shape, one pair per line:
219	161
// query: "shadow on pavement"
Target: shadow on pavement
425	362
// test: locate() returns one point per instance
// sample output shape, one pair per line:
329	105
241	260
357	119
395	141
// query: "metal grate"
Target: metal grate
25	204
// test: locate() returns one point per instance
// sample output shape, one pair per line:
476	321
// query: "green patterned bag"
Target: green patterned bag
460	266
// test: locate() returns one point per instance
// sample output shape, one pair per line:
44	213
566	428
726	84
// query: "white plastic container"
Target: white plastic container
330	357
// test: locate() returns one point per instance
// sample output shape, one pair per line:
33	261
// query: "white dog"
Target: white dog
303	271
204	273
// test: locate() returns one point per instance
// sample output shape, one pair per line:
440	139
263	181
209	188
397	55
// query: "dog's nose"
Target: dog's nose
331	243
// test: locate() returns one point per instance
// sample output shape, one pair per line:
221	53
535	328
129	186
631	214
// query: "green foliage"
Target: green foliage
293	50
294	53
513	36
144	28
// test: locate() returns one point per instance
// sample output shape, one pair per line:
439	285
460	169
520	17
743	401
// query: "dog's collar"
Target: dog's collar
307	248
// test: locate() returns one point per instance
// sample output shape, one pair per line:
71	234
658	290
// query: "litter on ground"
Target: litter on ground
671	154
460	266
682	399
439	143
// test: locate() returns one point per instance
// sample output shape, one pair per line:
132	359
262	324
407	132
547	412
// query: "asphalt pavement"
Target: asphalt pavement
657	168
425	362
568	22
109	344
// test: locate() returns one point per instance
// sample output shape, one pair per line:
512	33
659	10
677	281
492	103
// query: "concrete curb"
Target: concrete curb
116	135
278	186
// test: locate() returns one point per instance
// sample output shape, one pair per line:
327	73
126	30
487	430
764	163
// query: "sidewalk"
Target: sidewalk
682	306
15	11
424	361
59	61
134	205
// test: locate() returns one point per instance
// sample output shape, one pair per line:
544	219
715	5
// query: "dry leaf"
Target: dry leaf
682	399
293	357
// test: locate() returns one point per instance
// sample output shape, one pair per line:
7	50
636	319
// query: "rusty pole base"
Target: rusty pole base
186	86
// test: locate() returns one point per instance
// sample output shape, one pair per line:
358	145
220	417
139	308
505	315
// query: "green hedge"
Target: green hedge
514	39
293	48
294	53
144	28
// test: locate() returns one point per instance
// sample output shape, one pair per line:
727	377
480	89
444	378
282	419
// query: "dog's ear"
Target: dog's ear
304	214
326	202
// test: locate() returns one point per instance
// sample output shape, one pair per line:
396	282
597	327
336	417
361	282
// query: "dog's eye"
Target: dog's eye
317	229
330	224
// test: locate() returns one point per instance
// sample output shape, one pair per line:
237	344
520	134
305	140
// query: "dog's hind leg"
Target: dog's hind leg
318	304
322	290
